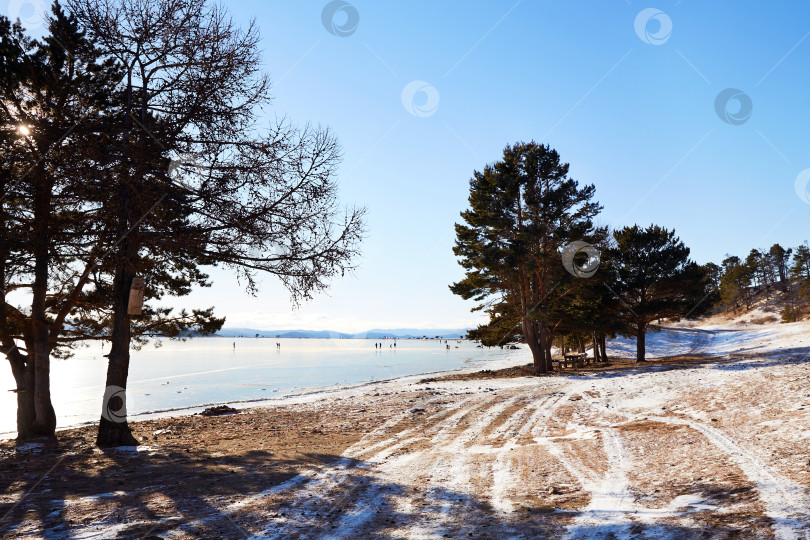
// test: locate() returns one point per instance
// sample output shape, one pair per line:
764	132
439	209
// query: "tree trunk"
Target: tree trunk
44	415
24	377
531	333
113	429
595	341
546	339
603	346
641	346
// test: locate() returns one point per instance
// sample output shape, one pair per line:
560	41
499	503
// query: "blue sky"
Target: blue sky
637	119
633	113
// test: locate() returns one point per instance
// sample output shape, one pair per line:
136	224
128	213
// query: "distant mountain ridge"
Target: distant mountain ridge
377	333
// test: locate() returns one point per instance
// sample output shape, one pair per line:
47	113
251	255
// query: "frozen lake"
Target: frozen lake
204	371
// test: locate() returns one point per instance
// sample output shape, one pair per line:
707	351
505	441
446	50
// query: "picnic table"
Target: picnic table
573	359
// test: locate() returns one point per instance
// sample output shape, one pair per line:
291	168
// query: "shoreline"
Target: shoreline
620	347
315	393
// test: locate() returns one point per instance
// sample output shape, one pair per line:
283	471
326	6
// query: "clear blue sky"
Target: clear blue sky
637	119
632	112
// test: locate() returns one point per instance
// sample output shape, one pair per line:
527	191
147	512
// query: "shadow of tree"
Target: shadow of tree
741	360
141	488
144	495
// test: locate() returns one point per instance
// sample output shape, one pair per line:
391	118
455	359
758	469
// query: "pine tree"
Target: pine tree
780	258
735	285
523	211
801	270
655	279
55	93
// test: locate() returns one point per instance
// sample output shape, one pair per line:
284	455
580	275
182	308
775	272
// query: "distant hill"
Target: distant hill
377	333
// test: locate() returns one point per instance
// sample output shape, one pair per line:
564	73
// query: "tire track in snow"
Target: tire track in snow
611	505
502	474
330	484
359	494
448	459
786	502
500	471
362	445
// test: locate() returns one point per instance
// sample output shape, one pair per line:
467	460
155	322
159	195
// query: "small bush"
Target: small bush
766	319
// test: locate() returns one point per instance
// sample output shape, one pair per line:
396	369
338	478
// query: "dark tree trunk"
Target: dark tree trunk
595	341
44	415
24	377
113	429
534	340
641	345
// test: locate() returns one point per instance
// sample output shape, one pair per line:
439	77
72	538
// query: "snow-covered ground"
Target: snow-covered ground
714	449
662	451
717	340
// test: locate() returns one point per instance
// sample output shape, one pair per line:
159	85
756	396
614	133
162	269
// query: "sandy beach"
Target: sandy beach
683	446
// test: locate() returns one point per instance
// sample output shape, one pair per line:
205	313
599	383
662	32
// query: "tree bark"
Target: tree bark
113	429
603	346
24	377
641	346
595	341
531	333
44	415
